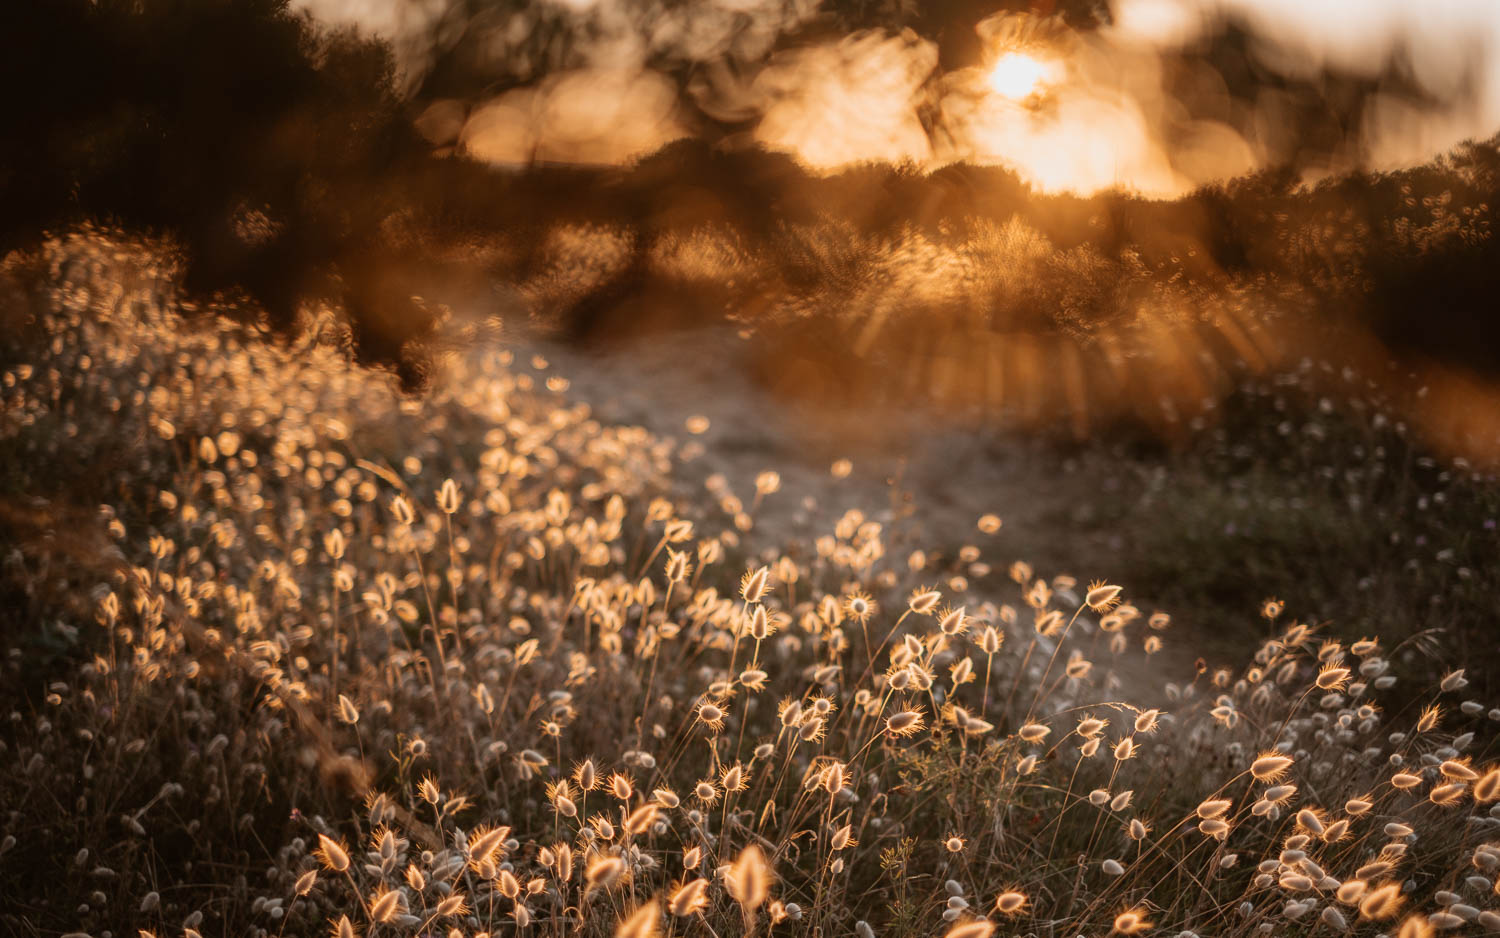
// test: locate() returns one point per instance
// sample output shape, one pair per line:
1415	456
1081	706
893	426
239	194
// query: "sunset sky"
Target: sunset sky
1097	110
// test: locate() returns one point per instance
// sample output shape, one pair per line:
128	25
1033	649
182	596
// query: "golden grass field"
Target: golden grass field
290	653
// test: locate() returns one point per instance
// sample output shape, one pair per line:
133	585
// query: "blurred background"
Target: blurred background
1246	243
1045	211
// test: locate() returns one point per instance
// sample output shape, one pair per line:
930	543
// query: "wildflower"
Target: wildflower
306	882
332	853
586	774
484	843
859	607
1270	766
1334	919
1332	678
1101	596
1444	795
734	779
677	569
923	601
830	778
1295	882
1131	922
1457	771
904	723
448	497
768	482
689	898
962	671
1091	726
1033	732
1381	902
990	640
749	878
1487	789
1429	718
602	872
1351	891
712	716
1309	820
1214	827
621	787
754	584
1414	926
760	624
640	923
842	838
953	621
384	904
415	879
562	799
978	928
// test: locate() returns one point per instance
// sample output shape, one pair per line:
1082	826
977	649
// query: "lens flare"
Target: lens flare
1018	76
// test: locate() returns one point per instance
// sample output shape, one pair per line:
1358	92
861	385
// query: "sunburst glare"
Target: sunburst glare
1017	75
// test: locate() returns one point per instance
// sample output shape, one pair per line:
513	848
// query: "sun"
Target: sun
1018	76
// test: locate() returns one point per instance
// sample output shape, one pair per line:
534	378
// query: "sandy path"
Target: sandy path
926	481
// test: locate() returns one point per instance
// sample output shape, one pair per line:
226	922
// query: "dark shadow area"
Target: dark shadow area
279	158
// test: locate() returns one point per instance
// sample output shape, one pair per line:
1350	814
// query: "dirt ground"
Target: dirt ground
927	480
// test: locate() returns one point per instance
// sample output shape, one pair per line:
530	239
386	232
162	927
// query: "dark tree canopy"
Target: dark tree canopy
282	159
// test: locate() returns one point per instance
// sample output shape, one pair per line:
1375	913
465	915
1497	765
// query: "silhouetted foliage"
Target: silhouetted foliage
280	157
259	141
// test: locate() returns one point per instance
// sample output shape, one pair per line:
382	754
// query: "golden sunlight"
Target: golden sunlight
1018	76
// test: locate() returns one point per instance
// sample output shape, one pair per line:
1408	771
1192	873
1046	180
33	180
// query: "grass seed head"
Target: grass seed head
332	854
1270	766
978	928
1101	596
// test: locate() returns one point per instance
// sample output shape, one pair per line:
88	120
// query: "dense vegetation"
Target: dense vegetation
289	648
287	651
